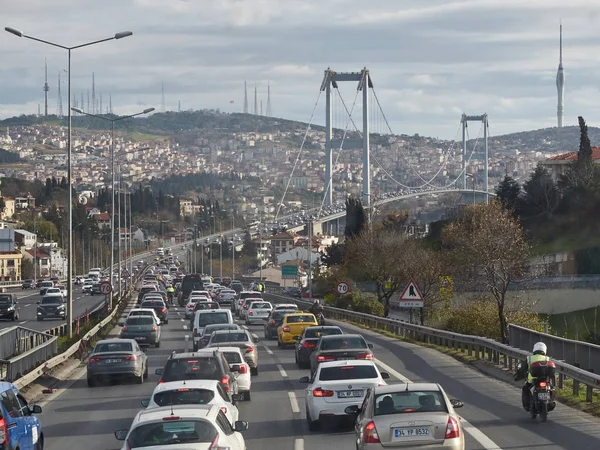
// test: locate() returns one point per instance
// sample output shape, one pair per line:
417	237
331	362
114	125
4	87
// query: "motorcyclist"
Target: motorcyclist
170	293
316	308
524	370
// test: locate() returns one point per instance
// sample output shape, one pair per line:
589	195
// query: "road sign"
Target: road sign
125	274
105	287
411	297
289	272
342	288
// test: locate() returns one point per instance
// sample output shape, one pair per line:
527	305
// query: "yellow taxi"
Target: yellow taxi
292	327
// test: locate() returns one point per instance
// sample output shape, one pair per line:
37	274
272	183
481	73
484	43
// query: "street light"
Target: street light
120	35
472	176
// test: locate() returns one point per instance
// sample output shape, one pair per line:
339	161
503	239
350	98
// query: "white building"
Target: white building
25	238
298	253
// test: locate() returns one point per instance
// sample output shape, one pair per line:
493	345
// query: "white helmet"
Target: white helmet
540	347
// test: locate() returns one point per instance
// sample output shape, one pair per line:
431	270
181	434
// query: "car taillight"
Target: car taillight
190	305
308	345
364	356
370	435
243	368
224	410
94	359
318	392
452	430
249	348
250	313
125	328
246	306
225	381
286	329
3	432
154	328
164	310
271	323
542	384
325	358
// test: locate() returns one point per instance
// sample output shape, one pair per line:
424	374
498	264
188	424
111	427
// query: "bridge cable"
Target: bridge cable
470	156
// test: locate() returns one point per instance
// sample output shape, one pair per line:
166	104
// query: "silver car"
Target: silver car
117	357
242	339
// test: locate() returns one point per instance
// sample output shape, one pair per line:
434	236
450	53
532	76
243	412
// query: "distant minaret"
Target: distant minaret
88	102
245	98
163	107
94	105
179	106
82	104
560	86
261	110
46	89
255	101
110	104
269	111
100	111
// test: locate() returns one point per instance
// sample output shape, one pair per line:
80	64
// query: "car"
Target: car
209	317
95	289
400	414
54	292
243	311
205	364
194	392
243	296
197	427
191	304
117	357
258	311
335	386
143	329
19	425
226	296
28	284
340	347
241	339
210	329
159	306
144	290
44	285
307	342
292	327
8	307
240	369
144	312
285	307
52	307
273	322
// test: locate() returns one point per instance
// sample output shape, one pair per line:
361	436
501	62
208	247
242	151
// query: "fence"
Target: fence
474	346
22	349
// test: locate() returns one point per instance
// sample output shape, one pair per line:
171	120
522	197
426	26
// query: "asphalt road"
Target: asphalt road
83	417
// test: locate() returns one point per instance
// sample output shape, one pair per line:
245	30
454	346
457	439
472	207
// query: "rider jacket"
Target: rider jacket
524	369
316	309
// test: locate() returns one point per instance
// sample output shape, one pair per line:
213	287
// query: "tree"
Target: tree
489	245
355	217
333	256
2	205
395	221
508	192
540	194
584	158
249	248
27	270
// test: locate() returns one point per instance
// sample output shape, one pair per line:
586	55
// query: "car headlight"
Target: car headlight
12	308
61	307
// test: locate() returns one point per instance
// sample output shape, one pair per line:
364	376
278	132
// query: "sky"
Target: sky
429	60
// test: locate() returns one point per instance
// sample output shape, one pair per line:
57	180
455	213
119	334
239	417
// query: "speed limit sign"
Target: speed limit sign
343	288
105	287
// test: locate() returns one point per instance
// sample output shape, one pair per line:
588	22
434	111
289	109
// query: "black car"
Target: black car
159	306
308	342
8	307
274	321
144	291
202	365
51	308
28	284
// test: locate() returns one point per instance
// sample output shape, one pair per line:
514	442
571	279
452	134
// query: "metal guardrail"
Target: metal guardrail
22	349
475	346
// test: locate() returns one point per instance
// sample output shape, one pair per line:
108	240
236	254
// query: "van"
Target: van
19	425
209	317
95	273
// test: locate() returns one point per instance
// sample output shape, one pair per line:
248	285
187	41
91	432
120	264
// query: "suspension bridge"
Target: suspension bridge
395	175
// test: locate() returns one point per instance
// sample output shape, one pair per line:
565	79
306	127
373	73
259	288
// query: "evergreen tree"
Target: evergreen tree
355	217
508	192
334	255
540	194
249	248
584	159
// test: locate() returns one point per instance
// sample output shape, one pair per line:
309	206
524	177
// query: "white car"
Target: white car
284	306
337	385
258	311
234	357
194	392
243	310
54	292
144	312
200	293
227	296
197	427
191	304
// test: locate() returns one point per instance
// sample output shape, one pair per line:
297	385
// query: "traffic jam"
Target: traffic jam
195	403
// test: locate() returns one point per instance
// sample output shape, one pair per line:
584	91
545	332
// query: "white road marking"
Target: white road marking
21	323
481	438
244	327
182	320
294	402
269	351
299	444
282	371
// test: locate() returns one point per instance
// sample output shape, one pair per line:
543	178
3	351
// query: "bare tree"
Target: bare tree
490	244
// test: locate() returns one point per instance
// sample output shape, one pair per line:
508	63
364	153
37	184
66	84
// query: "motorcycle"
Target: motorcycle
542	390
320	319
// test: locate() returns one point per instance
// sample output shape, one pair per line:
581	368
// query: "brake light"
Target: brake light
171	418
125	328
246	306
154	328
3	432
94	359
271	322
286	329
164	310
183	390
243	369
318	392
225	381
452	430
365	356
325	358
249	348
370	435
542	384
308	345
250	313
190	305
131	358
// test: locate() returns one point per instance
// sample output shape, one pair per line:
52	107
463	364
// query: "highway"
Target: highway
83	417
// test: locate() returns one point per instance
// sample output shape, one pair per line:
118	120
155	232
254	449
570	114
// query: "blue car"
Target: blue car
19	427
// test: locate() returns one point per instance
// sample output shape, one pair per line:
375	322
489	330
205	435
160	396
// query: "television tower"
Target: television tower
94	105
100	108
560	85
269	111
46	88
255	102
110	111
245	98
162	101
59	108
88	101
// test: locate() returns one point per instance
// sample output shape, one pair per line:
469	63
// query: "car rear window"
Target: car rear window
198	367
229	337
342	373
233	357
140	320
260	306
299	319
113	347
409	402
318	332
171	432
184	396
206	319
250	295
343	343
153	304
212	328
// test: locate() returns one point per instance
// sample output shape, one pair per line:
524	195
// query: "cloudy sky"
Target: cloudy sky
430	60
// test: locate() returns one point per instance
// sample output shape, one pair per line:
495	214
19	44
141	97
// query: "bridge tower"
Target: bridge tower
330	80
463	177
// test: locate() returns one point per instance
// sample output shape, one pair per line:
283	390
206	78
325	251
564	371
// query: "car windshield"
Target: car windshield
170	433
409	402
51	300
343	343
300	319
200	367
140	320
341	373
184	396
5	299
318	332
104	347
233	357
229	337
206	319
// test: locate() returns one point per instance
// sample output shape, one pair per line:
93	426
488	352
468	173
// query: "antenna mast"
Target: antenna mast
162	101
255	102
269	111
110	104
46	88
59	108
245	98
94	105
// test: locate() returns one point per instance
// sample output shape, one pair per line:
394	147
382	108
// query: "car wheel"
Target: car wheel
91	382
279	344
146	372
40	443
254	371
313	425
157	344
40	319
247	396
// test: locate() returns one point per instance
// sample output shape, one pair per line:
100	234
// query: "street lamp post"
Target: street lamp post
472	176
121	35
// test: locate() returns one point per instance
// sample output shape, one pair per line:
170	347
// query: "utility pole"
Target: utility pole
221	249
310	258
196	248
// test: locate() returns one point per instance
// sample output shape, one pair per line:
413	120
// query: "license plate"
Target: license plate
543	396
410	432
350	394
112	361
140	338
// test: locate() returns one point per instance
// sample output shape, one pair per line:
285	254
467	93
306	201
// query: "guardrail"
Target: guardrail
474	346
22	349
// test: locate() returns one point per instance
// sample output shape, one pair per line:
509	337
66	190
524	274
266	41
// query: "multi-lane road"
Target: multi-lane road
83	417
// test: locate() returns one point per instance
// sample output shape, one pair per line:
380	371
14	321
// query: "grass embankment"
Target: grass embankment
564	395
137	137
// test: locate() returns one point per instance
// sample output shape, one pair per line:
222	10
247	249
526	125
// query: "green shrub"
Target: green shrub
368	305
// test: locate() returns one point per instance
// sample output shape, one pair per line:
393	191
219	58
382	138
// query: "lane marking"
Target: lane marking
294	402
269	351
21	323
391	371
299	444
182	320
282	371
244	327
185	327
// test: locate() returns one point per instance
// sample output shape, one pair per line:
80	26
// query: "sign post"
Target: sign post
411	298
105	289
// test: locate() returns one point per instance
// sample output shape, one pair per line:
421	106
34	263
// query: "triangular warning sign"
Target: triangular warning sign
411	292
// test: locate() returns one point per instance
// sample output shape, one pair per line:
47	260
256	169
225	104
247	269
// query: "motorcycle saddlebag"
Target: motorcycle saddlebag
543	369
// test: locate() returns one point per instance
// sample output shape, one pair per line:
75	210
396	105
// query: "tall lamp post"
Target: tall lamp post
112	171
472	176
120	35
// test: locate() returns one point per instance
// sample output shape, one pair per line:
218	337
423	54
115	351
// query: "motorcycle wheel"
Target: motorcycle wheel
544	411
533	411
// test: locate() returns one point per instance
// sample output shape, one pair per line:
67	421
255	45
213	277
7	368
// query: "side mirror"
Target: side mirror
352	410
145	403
121	435
158	372
237	397
385	375
240	426
304	380
235	368
36	409
121	324
456	403
370	346
255	338
297	338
